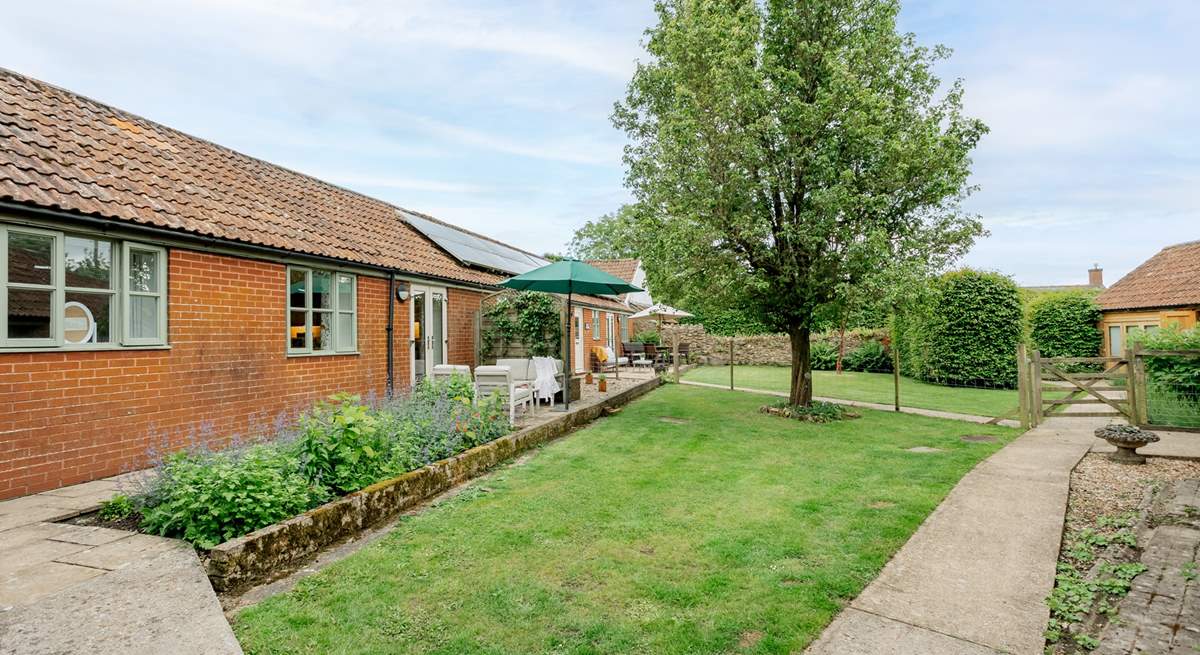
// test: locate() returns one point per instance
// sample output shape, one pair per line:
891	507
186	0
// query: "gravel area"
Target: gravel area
1100	486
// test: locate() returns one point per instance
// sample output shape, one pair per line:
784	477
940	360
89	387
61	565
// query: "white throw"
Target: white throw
545	384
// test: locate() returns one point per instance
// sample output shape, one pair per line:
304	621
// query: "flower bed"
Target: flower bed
276	549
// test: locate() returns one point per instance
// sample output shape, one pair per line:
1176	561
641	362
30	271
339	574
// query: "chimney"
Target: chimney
1096	276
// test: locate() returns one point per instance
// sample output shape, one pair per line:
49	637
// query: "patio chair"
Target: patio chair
499	379
443	372
655	355
637	353
601	363
612	357
685	352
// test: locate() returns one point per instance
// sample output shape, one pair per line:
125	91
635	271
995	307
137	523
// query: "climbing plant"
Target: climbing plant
527	318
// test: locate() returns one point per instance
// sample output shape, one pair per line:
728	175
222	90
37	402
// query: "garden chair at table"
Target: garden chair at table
499	379
637	353
444	372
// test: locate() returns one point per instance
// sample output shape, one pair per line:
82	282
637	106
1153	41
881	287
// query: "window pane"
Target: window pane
322	331
30	258
89	263
296	325
143	271
345	290
29	314
345	331
297	281
322	288
87	318
143	317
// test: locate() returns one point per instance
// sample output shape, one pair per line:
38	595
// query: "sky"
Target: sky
495	115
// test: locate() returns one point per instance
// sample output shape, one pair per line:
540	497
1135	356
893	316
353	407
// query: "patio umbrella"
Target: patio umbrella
570	276
660	311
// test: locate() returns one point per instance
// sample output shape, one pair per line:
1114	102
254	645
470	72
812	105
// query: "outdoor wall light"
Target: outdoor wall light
402	291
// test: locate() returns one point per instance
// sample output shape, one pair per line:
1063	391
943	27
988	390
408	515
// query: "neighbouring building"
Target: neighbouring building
632	272
1164	290
1095	283
157	289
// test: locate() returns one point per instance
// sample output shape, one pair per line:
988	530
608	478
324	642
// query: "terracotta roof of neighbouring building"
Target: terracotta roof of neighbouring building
63	151
1169	279
622	268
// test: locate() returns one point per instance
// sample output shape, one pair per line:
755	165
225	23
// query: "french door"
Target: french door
429	334
578	362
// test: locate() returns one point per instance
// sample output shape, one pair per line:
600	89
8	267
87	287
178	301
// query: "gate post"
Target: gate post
1023	386
1036	388
1139	409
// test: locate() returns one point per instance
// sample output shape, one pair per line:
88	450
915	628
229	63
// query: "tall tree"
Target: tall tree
783	149
611	236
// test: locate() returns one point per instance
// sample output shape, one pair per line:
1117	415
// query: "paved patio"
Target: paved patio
85	589
973	578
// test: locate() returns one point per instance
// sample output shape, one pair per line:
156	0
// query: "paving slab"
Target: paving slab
161	604
88	535
40	580
119	554
855	632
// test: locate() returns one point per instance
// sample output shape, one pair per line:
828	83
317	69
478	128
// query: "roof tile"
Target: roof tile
1169	279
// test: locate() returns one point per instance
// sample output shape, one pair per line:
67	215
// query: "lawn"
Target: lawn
688	523
868	387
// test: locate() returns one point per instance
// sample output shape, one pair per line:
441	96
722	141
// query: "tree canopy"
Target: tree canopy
782	151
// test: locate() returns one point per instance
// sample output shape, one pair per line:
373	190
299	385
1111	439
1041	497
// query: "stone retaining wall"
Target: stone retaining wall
761	349
276	549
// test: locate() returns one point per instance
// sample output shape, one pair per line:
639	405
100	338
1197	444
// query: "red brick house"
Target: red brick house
157	288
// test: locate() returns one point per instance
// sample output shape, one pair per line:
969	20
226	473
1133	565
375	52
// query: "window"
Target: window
624	329
78	291
595	325
321	311
610	332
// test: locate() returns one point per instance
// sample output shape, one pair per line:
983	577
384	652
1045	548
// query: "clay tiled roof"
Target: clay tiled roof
622	268
62	151
1169	279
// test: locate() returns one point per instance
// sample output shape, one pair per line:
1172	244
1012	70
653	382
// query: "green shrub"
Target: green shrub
649	336
727	322
1065	325
974	325
823	356
117	508
1172	383
207	498
340	445
869	356
528	318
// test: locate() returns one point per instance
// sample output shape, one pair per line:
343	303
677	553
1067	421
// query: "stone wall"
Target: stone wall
765	349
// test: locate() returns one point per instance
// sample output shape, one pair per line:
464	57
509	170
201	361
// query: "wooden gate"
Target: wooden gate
1048	387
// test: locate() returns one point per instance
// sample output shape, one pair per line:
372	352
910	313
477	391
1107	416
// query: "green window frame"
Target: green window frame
595	325
322	311
116	295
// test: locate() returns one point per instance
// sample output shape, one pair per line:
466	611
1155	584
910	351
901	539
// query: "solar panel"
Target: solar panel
470	249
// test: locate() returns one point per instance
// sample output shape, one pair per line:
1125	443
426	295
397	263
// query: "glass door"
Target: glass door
578	362
429	330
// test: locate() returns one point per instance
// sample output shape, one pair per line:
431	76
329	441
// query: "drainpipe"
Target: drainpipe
390	326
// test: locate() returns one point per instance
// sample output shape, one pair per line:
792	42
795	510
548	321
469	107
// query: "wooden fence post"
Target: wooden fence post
675	357
1139	407
1023	386
1036	382
896	372
731	363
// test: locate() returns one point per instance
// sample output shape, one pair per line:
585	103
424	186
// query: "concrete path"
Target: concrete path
84	589
971	418
973	578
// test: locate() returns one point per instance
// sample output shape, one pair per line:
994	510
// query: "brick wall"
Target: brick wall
69	417
589	338
460	323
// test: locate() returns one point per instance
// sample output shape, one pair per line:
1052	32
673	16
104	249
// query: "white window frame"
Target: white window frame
127	294
336	311
610	336
595	325
118	290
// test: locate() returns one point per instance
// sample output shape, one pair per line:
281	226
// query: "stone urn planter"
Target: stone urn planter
1126	439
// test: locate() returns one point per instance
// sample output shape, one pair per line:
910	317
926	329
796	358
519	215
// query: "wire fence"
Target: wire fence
1171	387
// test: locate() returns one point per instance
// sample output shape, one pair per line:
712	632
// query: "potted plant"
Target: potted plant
1126	439
588	378
603	383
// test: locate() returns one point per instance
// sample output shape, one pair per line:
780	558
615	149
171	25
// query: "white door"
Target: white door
429	336
577	334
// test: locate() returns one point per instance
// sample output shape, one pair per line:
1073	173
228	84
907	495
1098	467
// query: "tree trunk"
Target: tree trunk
801	391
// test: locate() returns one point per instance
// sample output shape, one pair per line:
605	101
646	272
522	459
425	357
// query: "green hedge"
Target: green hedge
965	334
1065	325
